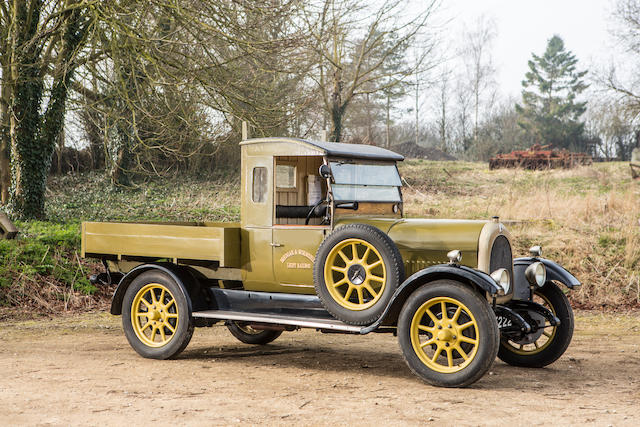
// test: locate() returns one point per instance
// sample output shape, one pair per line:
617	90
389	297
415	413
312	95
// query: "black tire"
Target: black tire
178	316
248	335
364	302
480	340
556	345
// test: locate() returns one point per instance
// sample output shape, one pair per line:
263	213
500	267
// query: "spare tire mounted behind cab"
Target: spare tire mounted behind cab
356	271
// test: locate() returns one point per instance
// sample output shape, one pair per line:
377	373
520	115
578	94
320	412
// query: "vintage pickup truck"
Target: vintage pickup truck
323	244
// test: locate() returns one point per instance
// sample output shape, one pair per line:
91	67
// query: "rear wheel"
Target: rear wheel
547	343
156	317
248	335
448	334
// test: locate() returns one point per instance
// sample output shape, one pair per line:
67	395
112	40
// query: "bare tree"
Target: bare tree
443	95
627	89
477	57
172	80
463	120
353	45
610	125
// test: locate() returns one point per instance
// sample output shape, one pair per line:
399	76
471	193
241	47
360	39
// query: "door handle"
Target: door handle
277	245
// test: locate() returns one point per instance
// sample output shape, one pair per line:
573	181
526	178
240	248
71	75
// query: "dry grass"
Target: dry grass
585	218
34	297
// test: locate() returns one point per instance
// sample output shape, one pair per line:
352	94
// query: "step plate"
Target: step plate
300	321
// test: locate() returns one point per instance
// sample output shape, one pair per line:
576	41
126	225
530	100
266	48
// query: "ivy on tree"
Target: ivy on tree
549	112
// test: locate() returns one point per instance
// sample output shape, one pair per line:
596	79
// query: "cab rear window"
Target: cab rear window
259	194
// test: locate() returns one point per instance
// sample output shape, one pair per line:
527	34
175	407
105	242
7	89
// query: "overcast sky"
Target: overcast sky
524	27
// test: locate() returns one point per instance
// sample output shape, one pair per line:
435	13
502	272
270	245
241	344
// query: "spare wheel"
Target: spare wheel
356	271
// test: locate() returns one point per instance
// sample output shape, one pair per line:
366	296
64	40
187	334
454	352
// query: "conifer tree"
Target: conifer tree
550	112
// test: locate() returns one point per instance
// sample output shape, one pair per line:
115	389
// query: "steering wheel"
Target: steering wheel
306	221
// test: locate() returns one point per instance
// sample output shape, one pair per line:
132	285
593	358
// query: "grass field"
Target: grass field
586	218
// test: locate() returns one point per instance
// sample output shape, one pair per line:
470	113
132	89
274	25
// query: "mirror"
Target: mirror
324	171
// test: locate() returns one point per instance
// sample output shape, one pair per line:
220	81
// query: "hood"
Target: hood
425	242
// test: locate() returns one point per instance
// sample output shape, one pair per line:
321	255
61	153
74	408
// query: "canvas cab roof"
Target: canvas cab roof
296	146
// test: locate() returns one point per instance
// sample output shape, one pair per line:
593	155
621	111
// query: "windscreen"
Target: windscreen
365	183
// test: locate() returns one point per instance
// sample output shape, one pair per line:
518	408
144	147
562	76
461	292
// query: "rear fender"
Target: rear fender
183	277
474	278
554	272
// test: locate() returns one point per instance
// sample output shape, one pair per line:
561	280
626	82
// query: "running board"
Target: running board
280	319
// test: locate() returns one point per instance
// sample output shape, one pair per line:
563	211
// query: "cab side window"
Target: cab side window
259	193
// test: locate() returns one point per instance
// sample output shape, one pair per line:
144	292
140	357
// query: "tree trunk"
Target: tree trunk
337	107
336	122
369	133
388	124
476	108
120	141
34	136
443	126
5	138
59	151
417	124
94	135
29	178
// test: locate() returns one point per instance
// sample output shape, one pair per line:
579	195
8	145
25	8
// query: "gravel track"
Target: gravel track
79	370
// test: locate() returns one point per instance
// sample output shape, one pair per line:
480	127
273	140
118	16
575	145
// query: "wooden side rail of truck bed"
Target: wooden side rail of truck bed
218	242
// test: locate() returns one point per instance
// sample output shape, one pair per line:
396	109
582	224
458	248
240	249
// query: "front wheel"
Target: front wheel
547	343
448	334
248	335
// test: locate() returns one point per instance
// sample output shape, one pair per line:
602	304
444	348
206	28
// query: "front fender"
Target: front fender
554	272
171	270
469	276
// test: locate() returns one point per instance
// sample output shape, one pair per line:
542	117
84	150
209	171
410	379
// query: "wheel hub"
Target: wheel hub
537	321
445	335
154	315
356	274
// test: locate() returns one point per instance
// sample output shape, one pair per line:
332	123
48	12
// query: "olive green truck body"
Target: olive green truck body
267	253
323	243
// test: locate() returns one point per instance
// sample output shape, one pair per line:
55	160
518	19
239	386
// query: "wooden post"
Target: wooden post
245	130
7	229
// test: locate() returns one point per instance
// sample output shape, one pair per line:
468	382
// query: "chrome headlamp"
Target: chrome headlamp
535	251
503	280
454	256
536	274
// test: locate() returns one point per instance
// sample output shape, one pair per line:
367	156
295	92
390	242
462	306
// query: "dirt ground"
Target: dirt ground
80	370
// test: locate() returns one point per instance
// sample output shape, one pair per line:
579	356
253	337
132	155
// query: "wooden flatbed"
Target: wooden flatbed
206	241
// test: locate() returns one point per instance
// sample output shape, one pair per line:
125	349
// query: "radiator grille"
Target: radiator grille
501	256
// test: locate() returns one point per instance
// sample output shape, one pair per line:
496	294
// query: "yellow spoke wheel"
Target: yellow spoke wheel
355	274
546	344
448	333
546	336
445	334
356	271
154	315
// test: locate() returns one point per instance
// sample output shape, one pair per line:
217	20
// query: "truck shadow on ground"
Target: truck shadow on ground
378	363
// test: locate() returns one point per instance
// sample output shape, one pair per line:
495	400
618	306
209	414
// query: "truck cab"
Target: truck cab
288	208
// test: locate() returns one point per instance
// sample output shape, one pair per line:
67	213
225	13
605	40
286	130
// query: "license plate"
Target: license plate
504	322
